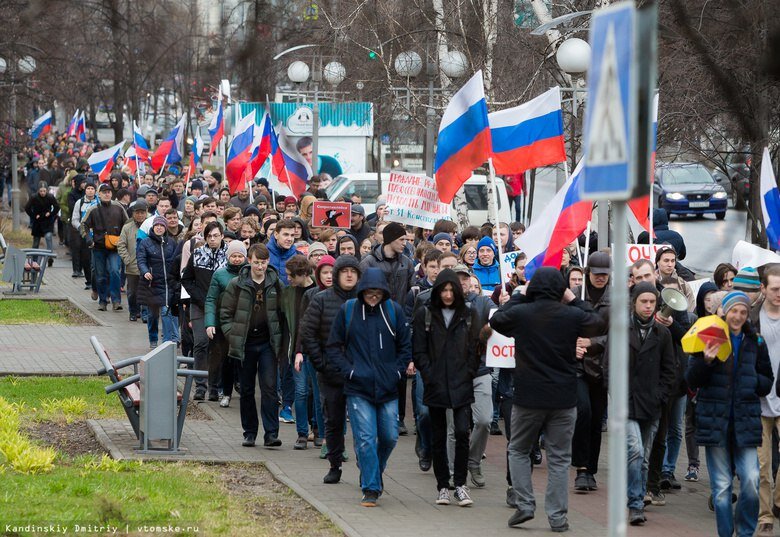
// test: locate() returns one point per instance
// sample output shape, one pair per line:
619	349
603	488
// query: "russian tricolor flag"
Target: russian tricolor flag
81	128
72	125
172	149
41	126
195	150
216	127
102	162
139	142
464	138
528	136
261	149
770	201
288	165
135	165
240	152
561	222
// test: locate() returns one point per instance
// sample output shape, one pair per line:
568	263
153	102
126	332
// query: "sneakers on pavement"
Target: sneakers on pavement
285	416
301	443
444	497
402	430
225	401
636	517
332	477
324	451
657	498
95	295
213	395
116	306
425	463
102	307
581	482
249	440
462	496
272	441
370	498
477	479
200	394
692	474
494	429
519	517
592	485
511	497
319	441
560	528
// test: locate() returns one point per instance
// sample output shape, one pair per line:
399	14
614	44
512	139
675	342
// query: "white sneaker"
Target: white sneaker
462	496
444	497
225	401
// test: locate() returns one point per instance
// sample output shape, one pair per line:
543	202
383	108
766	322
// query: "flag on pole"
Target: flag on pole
135	166
561	222
641	206
240	152
261	146
195	150
528	136
41	126
172	148
81	128
139	143
102	162
72	125
770	201
464	138
216	127
289	166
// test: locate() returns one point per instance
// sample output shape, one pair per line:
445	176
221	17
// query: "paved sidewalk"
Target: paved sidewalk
407	506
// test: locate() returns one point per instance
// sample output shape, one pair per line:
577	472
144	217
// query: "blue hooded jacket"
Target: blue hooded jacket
373	352
490	276
279	257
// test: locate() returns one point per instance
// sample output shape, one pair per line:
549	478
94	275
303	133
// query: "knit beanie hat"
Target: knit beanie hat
734	298
747	280
317	247
664	249
236	247
159	221
392	231
643	287
442	237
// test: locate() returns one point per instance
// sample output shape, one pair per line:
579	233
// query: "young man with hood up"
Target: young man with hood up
446	334
315	331
548	319
370	345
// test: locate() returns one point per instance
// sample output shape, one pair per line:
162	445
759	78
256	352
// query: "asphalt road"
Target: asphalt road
708	241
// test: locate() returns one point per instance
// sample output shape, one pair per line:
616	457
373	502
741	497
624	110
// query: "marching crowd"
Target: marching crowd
334	325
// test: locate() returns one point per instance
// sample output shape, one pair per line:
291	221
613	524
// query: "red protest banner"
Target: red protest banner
331	214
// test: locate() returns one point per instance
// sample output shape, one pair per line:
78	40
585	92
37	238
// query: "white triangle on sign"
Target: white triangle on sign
607	135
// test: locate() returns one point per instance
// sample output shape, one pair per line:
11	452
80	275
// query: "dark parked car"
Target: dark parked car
734	176
684	189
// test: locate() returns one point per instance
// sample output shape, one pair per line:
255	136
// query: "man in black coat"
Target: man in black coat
315	331
545	323
42	209
651	380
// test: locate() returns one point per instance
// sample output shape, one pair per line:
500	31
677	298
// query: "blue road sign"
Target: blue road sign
610	115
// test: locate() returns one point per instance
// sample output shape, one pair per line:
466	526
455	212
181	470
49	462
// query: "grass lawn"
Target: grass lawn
86	487
34	311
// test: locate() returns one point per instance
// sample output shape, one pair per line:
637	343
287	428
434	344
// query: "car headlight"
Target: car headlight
719	195
676	196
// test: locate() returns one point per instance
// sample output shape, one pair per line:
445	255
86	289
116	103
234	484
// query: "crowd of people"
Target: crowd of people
334	325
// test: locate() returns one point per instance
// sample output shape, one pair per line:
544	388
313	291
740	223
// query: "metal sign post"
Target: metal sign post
617	126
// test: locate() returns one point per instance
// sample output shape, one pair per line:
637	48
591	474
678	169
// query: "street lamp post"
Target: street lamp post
25	65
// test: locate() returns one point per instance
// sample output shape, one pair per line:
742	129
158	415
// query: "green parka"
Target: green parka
235	311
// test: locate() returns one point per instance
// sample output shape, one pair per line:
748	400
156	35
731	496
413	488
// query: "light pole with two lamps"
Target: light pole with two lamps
26	66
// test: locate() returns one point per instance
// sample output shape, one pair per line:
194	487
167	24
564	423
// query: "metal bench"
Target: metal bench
144	400
25	267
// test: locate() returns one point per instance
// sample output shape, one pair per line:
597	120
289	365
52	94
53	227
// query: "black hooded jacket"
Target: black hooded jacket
546	332
447	356
317	321
663	234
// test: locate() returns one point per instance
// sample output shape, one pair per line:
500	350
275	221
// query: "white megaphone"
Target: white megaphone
672	300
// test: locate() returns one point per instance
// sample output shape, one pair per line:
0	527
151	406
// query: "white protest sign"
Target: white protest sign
635	252
500	350
751	255
413	200
508	264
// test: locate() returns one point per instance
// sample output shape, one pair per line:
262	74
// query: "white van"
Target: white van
365	184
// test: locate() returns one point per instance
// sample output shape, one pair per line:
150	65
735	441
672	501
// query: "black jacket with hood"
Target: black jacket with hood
372	350
546	332
398	270
318	320
447	356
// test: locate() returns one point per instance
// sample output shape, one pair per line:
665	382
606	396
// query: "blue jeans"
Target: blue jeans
259	364
302	378
720	461
639	439
674	435
286	385
106	265
375	431
422	417
49	241
517	202
170	324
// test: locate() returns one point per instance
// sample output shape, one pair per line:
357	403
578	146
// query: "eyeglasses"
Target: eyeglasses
259	262
215	236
